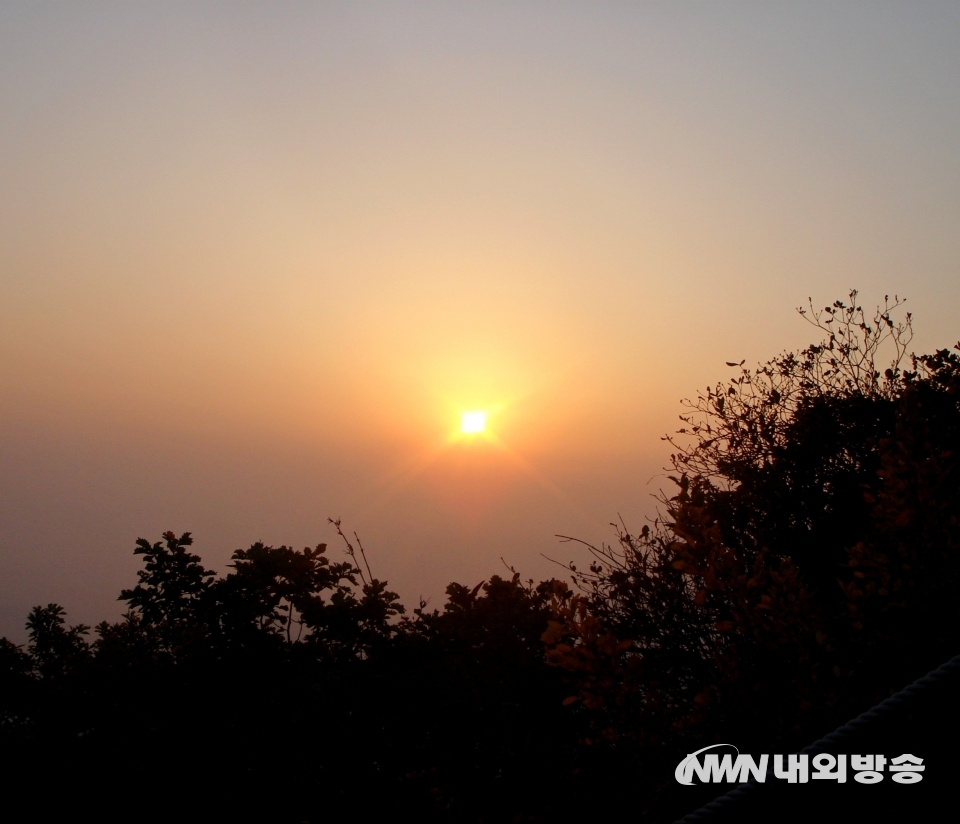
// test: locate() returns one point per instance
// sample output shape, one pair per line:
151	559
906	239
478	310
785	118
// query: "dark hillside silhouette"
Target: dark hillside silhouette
804	568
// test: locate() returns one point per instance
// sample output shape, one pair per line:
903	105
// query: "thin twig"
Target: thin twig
350	550
363	555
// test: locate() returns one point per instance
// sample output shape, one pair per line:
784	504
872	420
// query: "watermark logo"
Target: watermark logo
718	769
726	768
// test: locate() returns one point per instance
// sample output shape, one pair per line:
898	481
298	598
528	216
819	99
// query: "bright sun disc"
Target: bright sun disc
473	422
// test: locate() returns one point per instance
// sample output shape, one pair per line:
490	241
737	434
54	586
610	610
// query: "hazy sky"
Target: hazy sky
256	259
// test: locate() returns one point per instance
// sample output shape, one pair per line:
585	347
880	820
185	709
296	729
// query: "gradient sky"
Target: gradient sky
255	259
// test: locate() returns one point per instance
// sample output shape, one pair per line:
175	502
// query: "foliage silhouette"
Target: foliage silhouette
803	568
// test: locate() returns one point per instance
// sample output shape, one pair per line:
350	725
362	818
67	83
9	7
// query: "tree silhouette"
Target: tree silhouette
804	566
54	648
802	570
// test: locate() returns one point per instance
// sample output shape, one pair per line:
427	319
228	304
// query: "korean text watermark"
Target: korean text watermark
712	767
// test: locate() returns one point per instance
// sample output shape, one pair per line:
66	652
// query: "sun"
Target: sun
472	423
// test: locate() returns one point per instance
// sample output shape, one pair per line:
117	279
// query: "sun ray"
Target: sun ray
473	430
531	471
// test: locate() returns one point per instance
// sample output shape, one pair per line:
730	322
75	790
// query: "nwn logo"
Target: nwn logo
721	769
